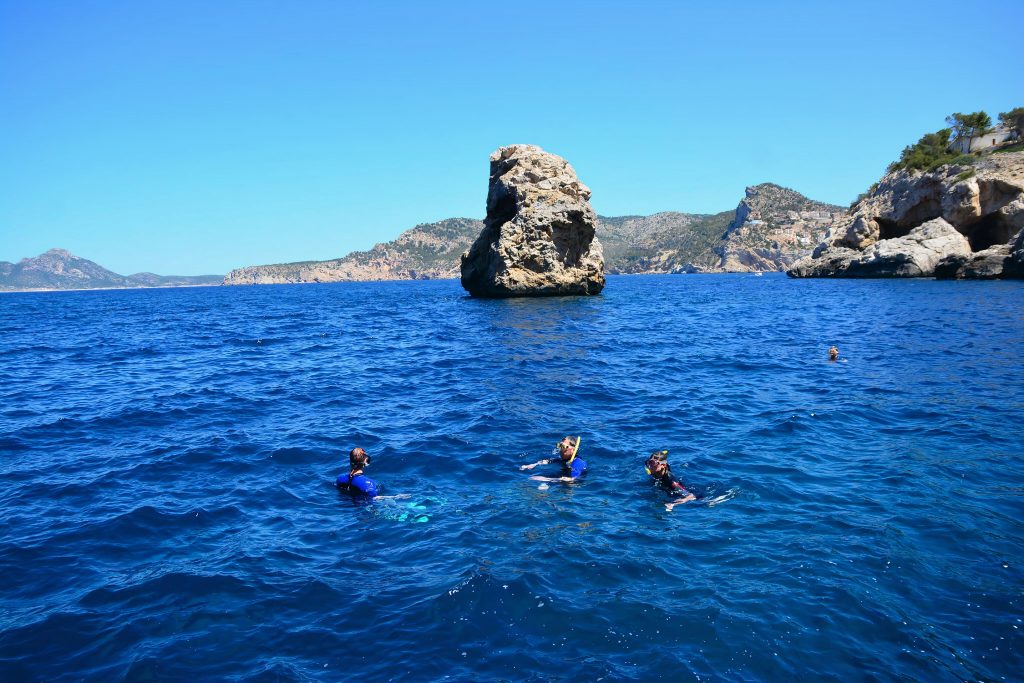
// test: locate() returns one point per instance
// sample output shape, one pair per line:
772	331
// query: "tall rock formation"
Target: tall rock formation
955	221
539	234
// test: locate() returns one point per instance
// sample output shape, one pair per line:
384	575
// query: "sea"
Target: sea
169	509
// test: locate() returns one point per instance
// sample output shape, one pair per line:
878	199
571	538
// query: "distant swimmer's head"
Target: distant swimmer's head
567	448
358	459
657	464
833	353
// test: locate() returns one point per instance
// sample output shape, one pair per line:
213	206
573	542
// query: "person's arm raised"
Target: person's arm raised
545	461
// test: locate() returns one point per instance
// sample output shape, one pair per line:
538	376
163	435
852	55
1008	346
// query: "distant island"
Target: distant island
58	269
771	229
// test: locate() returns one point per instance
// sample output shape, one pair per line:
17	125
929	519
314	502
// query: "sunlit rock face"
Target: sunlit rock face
984	204
538	237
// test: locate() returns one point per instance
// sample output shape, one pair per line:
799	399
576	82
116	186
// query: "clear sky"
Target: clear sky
185	137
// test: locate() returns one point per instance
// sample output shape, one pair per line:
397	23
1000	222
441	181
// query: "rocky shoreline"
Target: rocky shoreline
958	221
769	230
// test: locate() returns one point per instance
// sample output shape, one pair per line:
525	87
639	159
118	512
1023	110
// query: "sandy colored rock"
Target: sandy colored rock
539	234
914	255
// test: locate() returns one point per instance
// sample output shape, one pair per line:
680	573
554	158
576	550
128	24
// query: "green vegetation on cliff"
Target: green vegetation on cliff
940	148
1014	120
930	152
664	242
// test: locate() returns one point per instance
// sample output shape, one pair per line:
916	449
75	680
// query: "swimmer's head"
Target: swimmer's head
833	353
567	448
358	459
657	463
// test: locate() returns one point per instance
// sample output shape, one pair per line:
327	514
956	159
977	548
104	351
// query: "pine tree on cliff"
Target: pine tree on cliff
969	126
1014	120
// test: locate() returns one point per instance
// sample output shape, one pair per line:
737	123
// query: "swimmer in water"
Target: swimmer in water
572	466
657	466
355	482
833	353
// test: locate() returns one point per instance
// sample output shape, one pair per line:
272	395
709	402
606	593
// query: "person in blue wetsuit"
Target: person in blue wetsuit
573	466
355	482
657	466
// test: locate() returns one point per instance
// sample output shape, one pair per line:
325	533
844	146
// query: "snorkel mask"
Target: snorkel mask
656	457
575	449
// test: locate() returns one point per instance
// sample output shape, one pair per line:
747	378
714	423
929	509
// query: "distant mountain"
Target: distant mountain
770	229
60	269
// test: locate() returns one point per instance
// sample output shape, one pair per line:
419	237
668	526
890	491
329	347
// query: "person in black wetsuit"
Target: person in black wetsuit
657	466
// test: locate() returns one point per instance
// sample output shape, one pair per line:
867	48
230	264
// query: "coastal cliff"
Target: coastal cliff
773	228
770	229
956	221
428	251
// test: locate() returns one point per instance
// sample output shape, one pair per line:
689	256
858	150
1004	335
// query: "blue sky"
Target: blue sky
195	137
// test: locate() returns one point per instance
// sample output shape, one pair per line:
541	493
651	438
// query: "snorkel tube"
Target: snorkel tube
575	450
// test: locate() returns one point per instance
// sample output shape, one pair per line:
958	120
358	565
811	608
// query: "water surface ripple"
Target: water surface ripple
169	513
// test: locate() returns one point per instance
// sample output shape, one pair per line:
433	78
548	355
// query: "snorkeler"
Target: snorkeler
354	482
572	466
833	353
657	466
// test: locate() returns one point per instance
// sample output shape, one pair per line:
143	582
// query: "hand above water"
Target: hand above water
532	465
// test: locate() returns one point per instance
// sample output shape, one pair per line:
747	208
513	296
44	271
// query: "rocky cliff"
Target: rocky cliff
60	269
956	221
668	242
427	251
773	227
539	236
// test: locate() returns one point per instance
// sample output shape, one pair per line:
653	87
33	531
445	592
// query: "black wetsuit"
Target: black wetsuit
671	485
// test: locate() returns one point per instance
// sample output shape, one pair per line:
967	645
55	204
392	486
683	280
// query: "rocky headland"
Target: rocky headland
60	269
957	221
539	236
429	251
771	228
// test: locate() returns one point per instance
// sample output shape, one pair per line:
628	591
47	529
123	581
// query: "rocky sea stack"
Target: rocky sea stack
539	234
953	222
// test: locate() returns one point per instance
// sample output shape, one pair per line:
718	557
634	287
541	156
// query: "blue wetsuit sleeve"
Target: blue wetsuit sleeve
578	467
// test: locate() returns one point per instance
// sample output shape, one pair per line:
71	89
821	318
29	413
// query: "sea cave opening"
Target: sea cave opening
990	230
888	229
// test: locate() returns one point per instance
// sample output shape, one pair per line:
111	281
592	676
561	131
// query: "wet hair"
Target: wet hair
357	458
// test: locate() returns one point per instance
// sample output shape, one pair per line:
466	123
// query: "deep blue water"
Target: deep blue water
169	513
